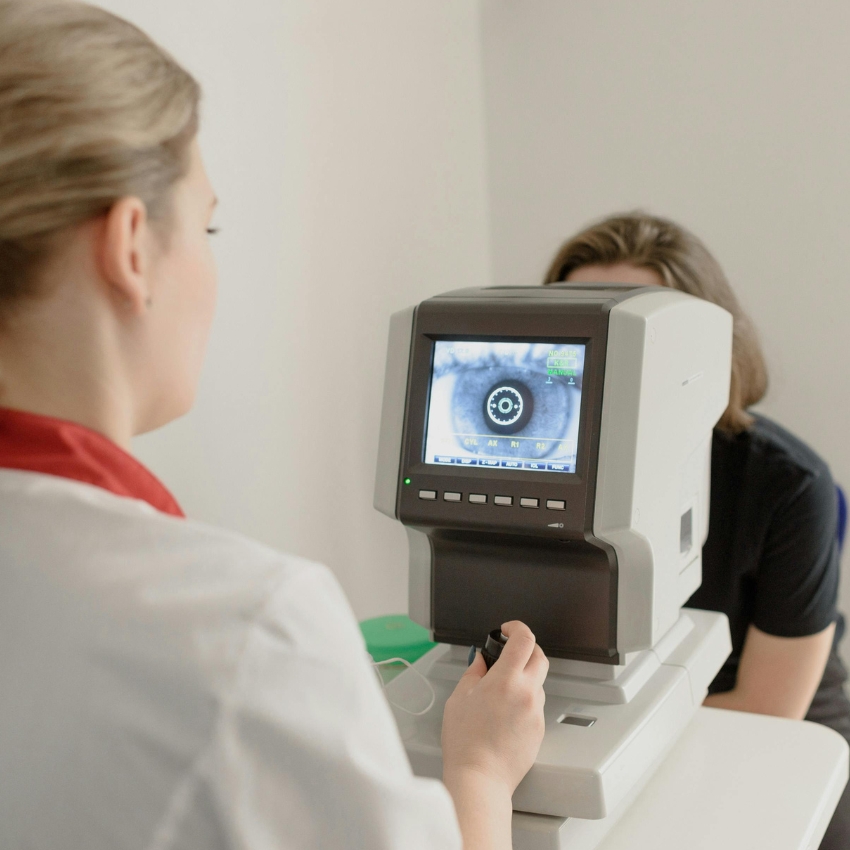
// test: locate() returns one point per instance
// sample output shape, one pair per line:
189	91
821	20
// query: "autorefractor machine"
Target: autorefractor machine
548	451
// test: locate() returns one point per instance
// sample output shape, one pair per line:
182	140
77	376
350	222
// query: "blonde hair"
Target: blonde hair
682	262
91	110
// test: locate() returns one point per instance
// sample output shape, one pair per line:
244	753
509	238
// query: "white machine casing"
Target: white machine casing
666	384
667	377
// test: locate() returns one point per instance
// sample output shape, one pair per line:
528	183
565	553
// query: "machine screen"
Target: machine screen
513	405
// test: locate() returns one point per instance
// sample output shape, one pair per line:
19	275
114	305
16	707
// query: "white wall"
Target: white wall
345	141
730	117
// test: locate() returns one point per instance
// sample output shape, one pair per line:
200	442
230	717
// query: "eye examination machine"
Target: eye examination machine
548	451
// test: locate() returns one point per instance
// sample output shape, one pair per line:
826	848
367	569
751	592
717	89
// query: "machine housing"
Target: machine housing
597	552
608	574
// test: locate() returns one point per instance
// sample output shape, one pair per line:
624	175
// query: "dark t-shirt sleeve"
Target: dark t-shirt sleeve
797	575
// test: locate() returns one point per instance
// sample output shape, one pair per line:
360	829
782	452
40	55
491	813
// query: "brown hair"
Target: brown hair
91	110
683	263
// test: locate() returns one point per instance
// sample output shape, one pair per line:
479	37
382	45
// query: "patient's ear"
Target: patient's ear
124	253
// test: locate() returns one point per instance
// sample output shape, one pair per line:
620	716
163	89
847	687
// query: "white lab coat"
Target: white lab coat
168	685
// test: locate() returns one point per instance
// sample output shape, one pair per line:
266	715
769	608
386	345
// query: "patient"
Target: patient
771	561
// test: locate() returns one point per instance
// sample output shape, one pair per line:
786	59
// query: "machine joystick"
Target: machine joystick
493	647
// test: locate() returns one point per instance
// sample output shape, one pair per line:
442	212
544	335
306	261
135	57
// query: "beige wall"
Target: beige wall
345	141
733	118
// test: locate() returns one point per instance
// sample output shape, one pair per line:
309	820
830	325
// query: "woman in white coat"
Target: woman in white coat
164	684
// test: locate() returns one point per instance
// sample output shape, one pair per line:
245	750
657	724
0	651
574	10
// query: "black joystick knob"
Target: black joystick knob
493	647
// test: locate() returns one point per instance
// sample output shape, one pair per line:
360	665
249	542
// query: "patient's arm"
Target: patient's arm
777	675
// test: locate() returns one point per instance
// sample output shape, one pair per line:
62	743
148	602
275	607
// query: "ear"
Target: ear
125	253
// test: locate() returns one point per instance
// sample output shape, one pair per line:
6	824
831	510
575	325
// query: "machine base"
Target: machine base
545	832
595	755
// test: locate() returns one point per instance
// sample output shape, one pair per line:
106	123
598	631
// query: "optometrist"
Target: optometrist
166	684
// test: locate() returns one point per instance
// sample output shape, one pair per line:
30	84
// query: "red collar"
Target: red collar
55	447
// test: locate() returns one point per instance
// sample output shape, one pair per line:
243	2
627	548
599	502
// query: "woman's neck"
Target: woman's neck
59	358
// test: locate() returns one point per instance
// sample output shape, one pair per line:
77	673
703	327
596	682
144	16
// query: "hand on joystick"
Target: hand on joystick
492	730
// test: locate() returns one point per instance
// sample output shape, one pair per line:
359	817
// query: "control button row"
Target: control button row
504	501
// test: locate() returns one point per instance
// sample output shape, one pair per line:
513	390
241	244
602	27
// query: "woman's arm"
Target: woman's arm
777	675
483	809
492	729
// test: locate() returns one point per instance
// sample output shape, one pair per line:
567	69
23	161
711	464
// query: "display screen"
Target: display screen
512	405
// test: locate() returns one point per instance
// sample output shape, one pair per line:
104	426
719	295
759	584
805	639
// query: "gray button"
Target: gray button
578	720
556	504
428	494
504	500
478	498
530	503
451	497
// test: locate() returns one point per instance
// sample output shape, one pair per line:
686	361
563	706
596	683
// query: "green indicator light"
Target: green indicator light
407	481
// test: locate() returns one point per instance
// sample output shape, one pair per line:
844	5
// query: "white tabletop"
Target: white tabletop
734	781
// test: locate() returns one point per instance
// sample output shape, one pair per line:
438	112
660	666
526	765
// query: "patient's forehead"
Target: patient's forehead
616	273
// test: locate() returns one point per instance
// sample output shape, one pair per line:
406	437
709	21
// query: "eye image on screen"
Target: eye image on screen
513	405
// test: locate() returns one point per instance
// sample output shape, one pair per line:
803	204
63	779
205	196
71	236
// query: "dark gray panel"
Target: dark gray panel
563	590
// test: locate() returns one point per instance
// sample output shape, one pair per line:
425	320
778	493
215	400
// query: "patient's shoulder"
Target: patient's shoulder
778	445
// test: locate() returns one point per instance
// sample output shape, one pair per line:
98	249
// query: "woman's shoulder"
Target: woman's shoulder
294	601
776	461
776	446
179	576
779	445
300	599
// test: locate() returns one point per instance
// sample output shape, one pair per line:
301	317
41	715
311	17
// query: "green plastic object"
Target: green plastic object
395	636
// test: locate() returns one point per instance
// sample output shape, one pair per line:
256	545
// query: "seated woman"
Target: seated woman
771	559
